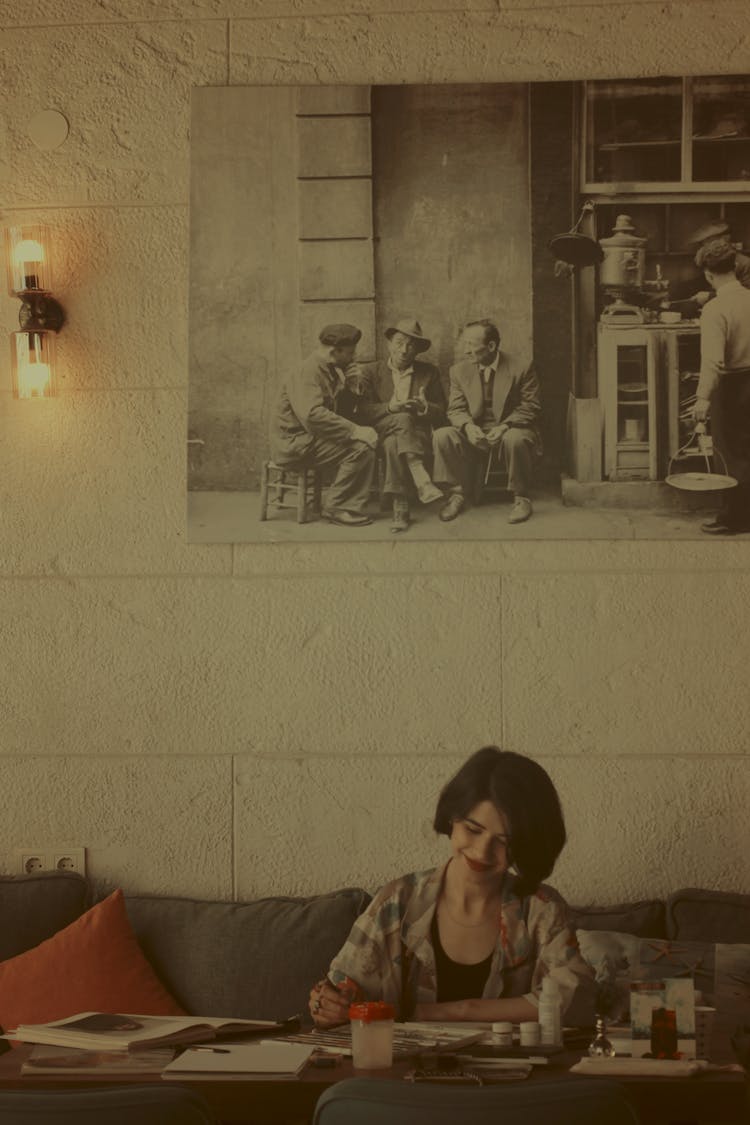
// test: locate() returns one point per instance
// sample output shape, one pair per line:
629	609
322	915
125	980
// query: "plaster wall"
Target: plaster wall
242	720
450	188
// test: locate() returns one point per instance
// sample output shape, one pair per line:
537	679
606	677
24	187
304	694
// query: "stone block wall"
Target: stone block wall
240	720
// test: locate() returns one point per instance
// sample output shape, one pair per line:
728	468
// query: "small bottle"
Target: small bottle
600	1046
549	1013
372	1035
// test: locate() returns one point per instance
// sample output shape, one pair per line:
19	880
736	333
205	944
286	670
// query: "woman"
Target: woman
471	940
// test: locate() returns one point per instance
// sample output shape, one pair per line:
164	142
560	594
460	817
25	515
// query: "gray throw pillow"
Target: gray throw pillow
250	960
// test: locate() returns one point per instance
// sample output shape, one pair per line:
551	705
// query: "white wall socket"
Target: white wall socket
29	860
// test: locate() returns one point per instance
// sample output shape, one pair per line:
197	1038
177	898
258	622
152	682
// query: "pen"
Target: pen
216	1050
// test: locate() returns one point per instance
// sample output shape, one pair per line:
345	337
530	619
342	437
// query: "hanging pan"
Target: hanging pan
699	445
574	248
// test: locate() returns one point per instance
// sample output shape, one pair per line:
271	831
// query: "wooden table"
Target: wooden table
712	1097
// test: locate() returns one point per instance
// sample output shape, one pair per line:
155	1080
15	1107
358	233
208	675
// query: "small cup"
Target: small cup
372	1035
530	1033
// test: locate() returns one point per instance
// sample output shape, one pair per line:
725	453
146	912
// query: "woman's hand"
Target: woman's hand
328	1007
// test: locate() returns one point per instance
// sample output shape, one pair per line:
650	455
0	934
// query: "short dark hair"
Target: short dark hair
491	330
717	256
524	793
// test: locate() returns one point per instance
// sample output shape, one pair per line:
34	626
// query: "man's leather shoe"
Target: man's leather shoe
429	493
400	514
716	526
720	526
521	510
345	518
453	508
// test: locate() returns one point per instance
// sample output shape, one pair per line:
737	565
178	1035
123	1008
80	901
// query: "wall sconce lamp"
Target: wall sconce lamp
40	315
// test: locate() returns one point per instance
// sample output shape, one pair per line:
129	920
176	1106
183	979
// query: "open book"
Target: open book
72	1060
104	1031
274	1059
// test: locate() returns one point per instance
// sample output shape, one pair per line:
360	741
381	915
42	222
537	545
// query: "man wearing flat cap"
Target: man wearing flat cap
718	231
724	382
307	429
403	404
493	409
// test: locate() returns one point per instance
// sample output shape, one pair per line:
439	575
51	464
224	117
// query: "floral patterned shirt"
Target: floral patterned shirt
389	954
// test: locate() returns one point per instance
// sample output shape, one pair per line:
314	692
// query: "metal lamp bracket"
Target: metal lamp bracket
40	311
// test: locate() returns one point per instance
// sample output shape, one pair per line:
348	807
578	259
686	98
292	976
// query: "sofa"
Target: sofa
259	959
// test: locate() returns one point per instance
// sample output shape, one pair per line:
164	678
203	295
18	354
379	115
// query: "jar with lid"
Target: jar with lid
502	1034
372	1035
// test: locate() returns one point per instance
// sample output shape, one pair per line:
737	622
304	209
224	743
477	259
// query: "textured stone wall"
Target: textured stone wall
255	719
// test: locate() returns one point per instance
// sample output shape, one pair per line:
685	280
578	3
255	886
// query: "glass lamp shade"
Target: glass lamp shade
27	256
33	364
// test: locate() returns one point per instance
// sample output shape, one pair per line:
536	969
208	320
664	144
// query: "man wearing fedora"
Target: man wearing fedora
403	404
308	429
493	409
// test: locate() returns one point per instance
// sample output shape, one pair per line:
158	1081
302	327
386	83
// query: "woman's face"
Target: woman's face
481	842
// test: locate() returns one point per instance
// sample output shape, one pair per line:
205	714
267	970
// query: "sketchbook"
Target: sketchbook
105	1031
274	1059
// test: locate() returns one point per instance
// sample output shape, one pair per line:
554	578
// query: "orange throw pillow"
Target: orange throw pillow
93	965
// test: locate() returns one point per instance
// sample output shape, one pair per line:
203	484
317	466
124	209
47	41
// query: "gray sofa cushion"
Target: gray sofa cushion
251	960
34	907
718	916
646	918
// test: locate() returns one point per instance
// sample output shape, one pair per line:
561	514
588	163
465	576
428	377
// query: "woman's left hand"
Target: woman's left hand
328	1007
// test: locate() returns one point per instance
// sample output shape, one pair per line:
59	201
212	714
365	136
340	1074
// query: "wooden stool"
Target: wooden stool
302	486
489	477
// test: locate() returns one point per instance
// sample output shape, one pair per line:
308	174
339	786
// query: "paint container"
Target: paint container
372	1035
502	1034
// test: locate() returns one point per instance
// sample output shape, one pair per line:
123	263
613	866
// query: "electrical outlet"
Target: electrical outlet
69	859
29	860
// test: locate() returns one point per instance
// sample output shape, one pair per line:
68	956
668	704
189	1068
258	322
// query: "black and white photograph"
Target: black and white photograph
498	311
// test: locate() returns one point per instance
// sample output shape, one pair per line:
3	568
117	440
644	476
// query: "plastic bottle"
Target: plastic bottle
549	1013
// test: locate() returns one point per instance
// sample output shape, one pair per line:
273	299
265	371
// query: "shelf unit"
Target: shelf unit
629	392
646	375
682	356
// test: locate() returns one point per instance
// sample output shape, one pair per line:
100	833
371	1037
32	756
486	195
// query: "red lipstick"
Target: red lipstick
476	866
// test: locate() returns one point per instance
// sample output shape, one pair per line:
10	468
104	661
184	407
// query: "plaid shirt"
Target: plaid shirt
389	954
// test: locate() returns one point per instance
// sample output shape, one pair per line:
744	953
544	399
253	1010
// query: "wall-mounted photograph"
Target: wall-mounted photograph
486	311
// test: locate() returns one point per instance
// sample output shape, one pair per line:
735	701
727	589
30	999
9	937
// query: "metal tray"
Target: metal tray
701	482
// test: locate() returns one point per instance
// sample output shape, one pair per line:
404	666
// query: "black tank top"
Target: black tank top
456	981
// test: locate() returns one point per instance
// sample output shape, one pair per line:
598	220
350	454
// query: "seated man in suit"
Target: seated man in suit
308	429
403	403
493	408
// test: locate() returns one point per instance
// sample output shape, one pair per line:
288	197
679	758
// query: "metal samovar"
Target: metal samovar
621	272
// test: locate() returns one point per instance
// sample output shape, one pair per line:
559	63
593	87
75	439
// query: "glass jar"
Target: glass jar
372	1035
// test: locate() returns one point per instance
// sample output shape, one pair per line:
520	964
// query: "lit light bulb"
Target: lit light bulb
29	255
34	380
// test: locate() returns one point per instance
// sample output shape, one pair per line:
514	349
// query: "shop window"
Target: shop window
677	133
